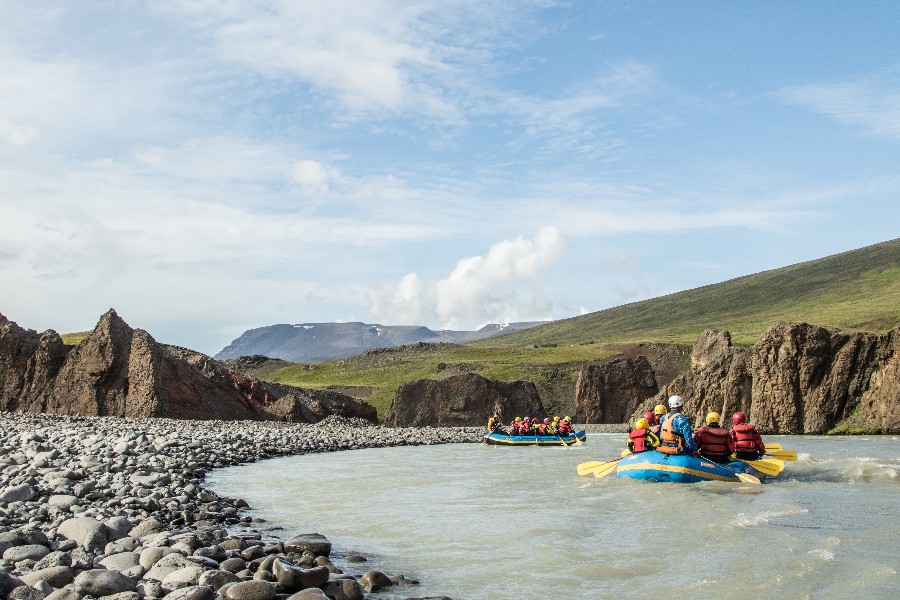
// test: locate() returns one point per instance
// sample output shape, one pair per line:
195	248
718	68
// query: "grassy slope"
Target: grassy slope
853	291
857	290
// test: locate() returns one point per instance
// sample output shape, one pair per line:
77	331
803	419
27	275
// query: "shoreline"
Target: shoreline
108	506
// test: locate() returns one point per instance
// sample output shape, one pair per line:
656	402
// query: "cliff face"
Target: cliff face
797	378
610	392
465	400
124	372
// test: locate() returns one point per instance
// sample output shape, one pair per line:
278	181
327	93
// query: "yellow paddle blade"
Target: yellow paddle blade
788	455
626	452
605	470
748	478
769	466
586	467
773	446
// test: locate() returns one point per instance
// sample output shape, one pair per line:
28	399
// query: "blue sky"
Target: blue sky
209	166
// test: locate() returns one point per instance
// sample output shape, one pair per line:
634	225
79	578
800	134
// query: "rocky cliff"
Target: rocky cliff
124	372
610	392
797	378
462	400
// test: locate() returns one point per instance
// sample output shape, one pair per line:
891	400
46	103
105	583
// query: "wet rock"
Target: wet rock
315	543
293	578
344	588
373	581
310	594
216	578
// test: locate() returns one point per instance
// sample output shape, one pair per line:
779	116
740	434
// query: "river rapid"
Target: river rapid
489	522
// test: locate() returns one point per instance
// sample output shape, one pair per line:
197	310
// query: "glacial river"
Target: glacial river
480	522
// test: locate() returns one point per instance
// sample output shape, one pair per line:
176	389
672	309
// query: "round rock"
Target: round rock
101	582
251	590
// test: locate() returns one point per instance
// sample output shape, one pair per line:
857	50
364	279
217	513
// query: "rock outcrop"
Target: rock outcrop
610	392
462	401
798	378
123	372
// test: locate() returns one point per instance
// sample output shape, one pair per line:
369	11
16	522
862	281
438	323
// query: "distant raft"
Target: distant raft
503	439
681	468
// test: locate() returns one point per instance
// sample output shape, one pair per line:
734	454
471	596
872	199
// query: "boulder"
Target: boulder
315	543
250	590
100	582
462	400
82	529
610	392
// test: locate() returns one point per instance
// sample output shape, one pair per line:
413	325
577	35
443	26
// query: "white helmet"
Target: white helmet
675	401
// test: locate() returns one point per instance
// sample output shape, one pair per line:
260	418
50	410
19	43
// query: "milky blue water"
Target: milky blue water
488	522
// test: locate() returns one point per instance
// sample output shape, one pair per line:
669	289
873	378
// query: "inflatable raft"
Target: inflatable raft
502	439
680	468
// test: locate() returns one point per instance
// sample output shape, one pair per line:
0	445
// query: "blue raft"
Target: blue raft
680	468
502	439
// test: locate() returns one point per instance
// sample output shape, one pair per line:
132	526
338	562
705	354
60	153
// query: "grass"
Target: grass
73	339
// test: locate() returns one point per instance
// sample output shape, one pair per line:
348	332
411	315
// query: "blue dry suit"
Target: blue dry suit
682	427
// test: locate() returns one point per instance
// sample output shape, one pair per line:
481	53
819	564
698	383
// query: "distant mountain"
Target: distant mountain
318	342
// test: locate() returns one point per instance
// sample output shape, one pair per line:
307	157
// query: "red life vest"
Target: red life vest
713	442
564	427
672	443
638	439
745	436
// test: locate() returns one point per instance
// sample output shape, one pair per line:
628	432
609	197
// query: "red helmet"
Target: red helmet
738	418
650	417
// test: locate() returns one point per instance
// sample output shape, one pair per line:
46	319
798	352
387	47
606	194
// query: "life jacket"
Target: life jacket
745	439
542	429
638	439
714	442
565	427
491	423
672	443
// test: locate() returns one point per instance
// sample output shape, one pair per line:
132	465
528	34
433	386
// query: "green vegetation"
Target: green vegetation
73	339
853	291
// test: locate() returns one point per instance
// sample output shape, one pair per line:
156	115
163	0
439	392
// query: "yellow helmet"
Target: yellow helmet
566	419
555	419
659	409
518	419
712	417
642	423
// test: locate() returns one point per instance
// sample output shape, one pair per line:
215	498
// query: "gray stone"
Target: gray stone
343	589
184	577
122	596
25	592
250	590
81	529
33	552
149	588
63	501
54	559
195	592
63	594
7	583
17	493
146	527
293	578
121	561
118	527
55	576
150	556
160	573
309	594
217	578
100	582
233	564
316	543
373	581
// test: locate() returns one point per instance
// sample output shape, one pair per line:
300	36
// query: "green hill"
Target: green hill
852	291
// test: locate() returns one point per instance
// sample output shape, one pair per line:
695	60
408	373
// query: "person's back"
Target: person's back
641	439
713	440
675	432
748	444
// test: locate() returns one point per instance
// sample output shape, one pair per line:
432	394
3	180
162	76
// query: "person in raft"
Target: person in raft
748	444
565	427
659	412
642	439
545	428
713	440
514	426
495	425
675	431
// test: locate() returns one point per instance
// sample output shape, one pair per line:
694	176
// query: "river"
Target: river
488	522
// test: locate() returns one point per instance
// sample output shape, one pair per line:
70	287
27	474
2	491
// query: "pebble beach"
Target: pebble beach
115	508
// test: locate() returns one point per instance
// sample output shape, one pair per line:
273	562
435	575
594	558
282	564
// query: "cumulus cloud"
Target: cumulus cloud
504	285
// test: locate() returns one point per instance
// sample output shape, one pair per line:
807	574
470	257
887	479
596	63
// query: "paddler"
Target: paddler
642	439
565	427
713	440
748	444
675	431
659	411
494	423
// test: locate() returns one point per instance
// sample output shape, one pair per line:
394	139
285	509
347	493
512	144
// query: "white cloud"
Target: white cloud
314	177
17	135
502	286
872	103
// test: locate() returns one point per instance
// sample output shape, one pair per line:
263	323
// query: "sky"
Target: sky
205	167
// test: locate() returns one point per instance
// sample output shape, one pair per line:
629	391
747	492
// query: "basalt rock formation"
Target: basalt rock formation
462	400
124	372
610	392
798	378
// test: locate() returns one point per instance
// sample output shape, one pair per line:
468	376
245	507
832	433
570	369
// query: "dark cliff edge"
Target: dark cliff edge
797	378
124	372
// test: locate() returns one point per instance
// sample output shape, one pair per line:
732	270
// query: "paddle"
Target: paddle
561	438
595	466
742	476
769	466
788	455
773	446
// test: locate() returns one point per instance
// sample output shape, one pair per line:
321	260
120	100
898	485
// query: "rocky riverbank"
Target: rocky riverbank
100	507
